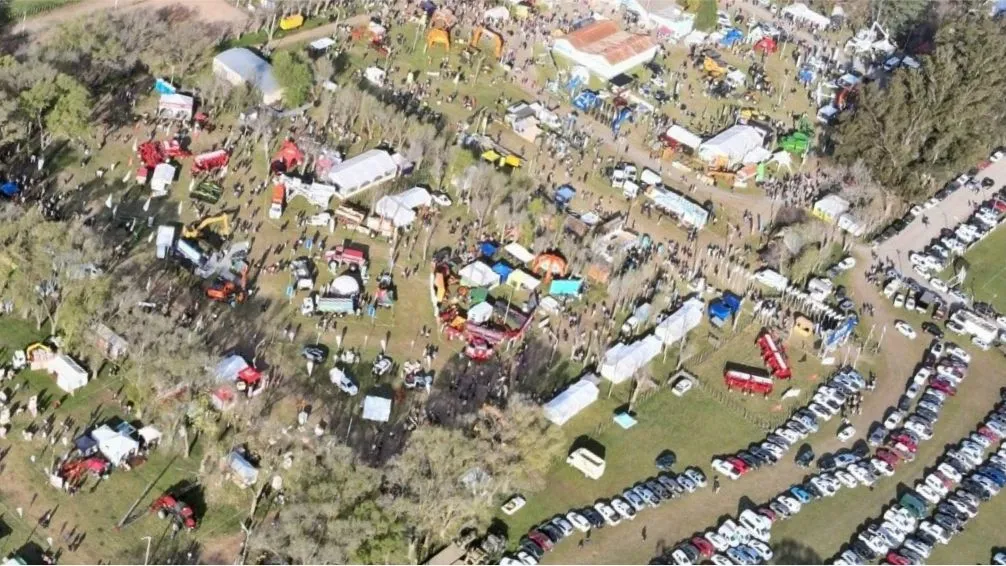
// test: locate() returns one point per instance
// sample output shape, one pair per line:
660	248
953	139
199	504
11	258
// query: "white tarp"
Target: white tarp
574	399
519	252
478	274
772	279
376	409
149	434
622	361
177	106
480	313
732	144
114	446
229	368
800	11
683	136
400	208
322	44
69	375
680	322
757	155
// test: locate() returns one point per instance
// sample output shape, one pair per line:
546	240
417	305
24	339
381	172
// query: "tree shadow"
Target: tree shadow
790	551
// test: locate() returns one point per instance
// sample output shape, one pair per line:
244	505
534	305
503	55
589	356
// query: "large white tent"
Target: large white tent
680	322
622	361
362	172
114	445
376	409
683	136
68	373
731	145
478	274
574	399
801	12
239	65
400	209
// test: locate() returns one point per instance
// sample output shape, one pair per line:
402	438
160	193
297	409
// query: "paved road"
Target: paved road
955	209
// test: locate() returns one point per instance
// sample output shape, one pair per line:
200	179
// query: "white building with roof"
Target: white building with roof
240	66
729	147
605	49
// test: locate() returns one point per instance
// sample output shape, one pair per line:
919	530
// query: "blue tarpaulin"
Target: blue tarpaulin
9	189
719	309
488	249
564	194
805	76
625	420
732	36
565	287
164	87
503	269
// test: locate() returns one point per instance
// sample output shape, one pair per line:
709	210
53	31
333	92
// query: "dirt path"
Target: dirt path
209	10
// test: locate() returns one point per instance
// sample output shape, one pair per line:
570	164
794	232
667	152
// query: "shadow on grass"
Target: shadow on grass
790	551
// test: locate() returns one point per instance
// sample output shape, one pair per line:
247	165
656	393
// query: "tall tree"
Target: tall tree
929	123
294	75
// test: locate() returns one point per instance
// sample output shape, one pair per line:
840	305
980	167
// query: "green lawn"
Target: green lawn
986	277
29	8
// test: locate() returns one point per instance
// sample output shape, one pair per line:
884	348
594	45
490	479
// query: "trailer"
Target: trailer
210	161
748	381
774	355
207	191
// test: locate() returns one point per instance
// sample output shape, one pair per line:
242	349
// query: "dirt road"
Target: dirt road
209	10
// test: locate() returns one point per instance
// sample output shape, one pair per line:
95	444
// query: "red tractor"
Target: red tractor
181	514
73	472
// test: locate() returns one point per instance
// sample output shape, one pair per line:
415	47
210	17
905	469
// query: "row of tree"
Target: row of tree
920	127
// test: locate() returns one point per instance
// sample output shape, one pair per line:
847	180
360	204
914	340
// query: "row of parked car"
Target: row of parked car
960	481
741	541
651	492
966	180
827	402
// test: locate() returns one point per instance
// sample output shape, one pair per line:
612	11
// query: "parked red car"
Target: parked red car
895	558
889	456
943	386
706	548
738	464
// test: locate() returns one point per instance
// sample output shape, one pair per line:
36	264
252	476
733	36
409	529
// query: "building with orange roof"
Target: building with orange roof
605	49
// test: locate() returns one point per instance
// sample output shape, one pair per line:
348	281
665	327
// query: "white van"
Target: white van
587	462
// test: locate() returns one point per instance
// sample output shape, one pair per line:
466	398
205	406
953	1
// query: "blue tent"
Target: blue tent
805	76
9	189
732	301
733	36
585	100
719	309
503	270
624	114
428	7
564	194
164	87
488	249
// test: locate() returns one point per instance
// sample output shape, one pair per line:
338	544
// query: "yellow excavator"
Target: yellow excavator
198	229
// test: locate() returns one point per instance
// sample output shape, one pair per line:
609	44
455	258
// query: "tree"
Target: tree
705	15
915	131
60	108
294	75
898	17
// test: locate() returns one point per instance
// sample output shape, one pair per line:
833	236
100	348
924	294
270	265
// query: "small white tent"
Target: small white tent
480	313
574	399
400	208
114	446
69	375
478	274
519	252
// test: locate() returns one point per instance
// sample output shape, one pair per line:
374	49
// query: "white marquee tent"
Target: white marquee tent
800	11
362	172
113	445
732	144
680	322
400	208
622	361
478	274
574	399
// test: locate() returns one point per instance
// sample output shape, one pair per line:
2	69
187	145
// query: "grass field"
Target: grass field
986	278
97	509
29	8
